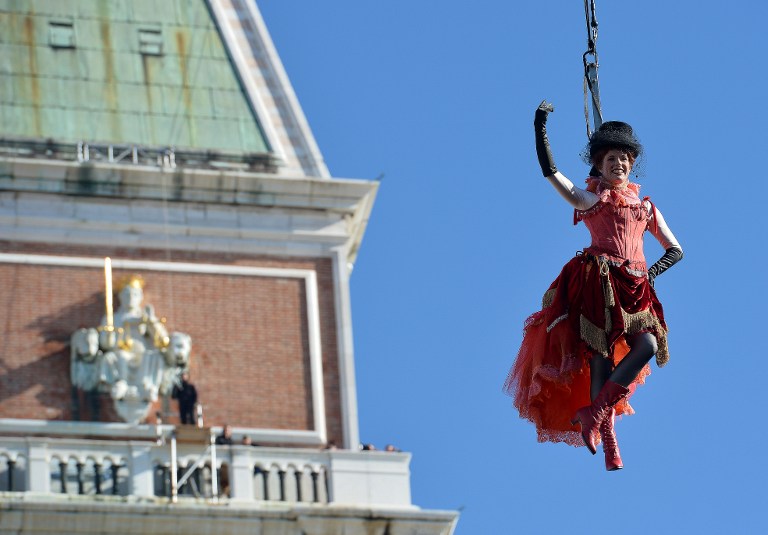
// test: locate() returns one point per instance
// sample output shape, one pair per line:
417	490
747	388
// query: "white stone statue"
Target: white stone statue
176	361
91	369
133	358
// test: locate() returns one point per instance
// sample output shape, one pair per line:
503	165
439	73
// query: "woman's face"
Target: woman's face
615	167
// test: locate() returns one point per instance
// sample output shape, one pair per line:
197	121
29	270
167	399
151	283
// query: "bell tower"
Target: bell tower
166	137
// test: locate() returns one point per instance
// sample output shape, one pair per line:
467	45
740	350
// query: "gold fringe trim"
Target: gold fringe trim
662	355
609	300
644	320
594	336
634	323
597	338
549	296
607	288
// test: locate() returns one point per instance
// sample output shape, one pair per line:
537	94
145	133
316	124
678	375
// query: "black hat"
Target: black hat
614	135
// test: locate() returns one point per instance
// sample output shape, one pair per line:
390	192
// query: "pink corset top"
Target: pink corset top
616	223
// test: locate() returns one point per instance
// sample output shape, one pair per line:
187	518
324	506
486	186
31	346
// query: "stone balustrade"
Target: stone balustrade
123	460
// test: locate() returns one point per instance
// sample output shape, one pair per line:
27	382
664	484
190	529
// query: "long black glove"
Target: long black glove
543	150
671	257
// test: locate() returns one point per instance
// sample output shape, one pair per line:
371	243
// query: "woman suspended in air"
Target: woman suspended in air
584	353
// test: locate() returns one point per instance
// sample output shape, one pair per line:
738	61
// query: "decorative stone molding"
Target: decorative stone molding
191	209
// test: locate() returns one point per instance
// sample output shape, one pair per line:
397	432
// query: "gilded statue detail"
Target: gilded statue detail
131	355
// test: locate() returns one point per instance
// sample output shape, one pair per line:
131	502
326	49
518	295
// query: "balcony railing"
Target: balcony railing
121	460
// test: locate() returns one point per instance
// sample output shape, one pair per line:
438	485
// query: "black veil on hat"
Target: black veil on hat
612	135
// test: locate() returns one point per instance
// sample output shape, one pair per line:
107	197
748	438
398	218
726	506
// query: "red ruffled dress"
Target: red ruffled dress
600	296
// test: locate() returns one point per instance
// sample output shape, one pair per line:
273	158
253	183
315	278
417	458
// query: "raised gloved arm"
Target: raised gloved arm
543	151
576	197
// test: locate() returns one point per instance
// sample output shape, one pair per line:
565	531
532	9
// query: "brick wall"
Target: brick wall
250	348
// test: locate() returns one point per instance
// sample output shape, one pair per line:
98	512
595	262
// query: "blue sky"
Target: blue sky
465	237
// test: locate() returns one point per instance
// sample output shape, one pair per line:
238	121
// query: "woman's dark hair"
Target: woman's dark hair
612	135
599	155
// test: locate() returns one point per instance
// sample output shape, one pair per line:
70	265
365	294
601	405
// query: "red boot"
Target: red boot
591	416
610	445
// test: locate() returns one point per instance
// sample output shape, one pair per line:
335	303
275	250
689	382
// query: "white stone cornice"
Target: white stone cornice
190	209
182	184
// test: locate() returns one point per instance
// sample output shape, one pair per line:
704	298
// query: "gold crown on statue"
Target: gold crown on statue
134	281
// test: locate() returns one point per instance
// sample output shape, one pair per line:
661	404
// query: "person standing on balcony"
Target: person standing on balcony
186	394
584	353
225	438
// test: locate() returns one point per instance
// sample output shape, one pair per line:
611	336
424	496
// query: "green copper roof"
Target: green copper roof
144	72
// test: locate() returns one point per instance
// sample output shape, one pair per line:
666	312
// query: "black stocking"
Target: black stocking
643	346
600	369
